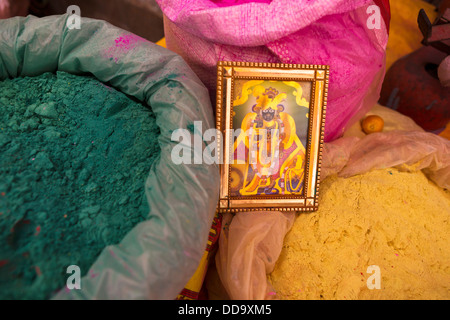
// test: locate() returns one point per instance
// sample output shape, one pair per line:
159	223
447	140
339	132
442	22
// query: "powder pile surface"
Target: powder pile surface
398	221
74	157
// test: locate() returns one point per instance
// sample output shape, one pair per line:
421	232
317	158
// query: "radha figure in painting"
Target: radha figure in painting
269	156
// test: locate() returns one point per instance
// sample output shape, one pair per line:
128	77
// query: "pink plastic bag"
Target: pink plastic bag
333	33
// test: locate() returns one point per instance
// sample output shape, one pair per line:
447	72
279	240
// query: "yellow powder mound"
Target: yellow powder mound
398	221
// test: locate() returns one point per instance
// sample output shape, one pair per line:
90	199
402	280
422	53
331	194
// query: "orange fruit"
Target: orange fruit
372	123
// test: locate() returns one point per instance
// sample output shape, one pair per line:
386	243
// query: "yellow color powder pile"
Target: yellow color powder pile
398	221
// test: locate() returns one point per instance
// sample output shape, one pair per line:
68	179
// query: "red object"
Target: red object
412	87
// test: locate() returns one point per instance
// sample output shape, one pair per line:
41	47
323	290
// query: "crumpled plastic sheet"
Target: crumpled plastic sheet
404	35
333	33
157	258
250	247
402	145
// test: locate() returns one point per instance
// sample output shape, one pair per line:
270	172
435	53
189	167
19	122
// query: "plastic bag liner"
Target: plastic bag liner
249	247
250	244
158	256
349	36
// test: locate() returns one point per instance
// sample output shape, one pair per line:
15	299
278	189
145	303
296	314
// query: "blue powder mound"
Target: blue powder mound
74	157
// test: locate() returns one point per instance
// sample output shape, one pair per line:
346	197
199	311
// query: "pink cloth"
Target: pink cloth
331	32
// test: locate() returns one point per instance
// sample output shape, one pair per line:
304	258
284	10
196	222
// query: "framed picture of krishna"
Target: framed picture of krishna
271	119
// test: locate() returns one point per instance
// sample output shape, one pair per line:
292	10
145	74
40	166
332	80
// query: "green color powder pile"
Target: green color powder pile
74	157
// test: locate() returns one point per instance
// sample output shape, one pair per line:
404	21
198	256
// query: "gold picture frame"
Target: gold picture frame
271	118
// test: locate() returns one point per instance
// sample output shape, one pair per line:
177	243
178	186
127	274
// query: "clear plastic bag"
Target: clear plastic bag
248	252
402	144
333	33
11	8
